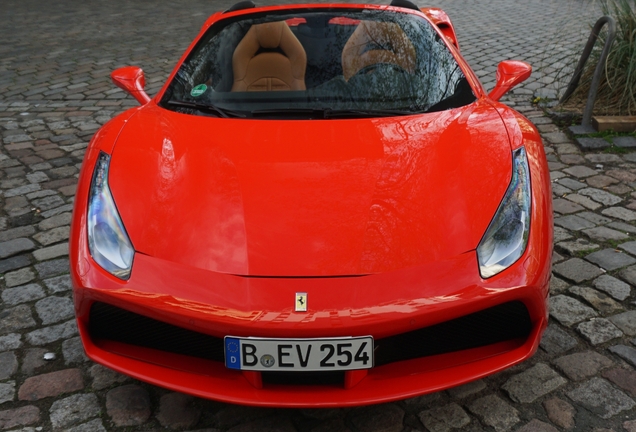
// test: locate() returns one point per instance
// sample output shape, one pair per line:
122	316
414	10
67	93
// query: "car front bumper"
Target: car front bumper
386	306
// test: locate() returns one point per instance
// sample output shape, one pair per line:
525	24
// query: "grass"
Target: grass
617	89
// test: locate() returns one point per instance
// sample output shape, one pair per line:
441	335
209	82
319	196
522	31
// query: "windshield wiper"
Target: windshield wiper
328	113
221	112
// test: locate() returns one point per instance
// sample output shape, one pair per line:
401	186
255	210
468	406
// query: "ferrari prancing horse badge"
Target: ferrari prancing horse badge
301	302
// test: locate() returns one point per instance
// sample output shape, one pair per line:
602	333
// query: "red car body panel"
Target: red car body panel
307	198
230	218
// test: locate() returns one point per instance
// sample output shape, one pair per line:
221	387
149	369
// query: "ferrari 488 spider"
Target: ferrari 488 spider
321	207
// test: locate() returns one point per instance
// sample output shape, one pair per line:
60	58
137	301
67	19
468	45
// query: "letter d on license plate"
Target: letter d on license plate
259	354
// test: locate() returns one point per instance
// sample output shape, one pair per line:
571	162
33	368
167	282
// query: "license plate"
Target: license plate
258	354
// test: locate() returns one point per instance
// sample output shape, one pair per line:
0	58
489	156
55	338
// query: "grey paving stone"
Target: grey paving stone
52	268
494	412
445	418
16	246
17	318
612	286
556	257
626	352
73	410
55	221
601	398
628	275
556	137
594	217
601	196
580	171
629	247
573	184
600	301
599	330
104	377
467	389
8	365
14	233
14	263
573	223
533	383
574	247
46	335
560	190
10	342
22	294
58	284
624	141
91	426
19	277
558	285
579	366
51	252
54	309
592	143
603	158
604	234
7	392
33	359
561	234
577	270
557	341
555	175
584	201
569	311
565	207
625	321
620	213
73	351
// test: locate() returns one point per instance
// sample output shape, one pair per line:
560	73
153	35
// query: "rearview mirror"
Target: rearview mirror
131	79
509	74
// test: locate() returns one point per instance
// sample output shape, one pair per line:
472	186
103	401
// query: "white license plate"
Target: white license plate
258	354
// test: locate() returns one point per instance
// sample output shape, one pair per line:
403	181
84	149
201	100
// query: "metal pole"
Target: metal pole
591	96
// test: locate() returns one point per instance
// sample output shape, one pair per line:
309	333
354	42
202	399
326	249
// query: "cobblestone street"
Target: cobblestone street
55	92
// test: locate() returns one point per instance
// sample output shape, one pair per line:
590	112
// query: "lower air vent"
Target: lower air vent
115	324
509	321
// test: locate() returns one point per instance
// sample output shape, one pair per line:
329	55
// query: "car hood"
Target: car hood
309	197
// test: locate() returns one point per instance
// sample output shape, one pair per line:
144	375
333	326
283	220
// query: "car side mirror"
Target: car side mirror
509	74
131	79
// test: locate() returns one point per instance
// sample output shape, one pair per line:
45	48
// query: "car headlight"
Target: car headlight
507	235
108	242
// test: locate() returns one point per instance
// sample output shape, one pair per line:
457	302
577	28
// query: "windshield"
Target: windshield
321	63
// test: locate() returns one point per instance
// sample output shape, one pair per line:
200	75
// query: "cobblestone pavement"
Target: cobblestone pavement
55	93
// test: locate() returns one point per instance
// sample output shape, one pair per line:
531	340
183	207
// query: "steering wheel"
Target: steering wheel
381	67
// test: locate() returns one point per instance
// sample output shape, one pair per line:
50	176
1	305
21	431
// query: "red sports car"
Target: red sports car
321	207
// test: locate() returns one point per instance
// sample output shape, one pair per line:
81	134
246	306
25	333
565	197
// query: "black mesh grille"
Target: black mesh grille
497	324
500	323
112	323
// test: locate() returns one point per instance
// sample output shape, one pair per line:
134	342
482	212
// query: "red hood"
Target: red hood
309	198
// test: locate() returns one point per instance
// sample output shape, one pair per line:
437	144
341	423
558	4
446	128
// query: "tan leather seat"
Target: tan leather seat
269	70
375	42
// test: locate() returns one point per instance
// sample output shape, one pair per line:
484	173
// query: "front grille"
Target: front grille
497	324
119	325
